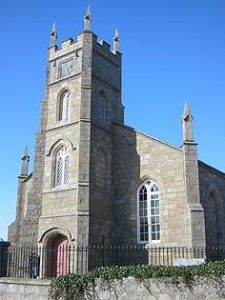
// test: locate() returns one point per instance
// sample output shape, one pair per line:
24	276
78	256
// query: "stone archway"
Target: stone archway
57	255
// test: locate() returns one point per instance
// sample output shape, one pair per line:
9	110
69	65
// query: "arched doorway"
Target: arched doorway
58	256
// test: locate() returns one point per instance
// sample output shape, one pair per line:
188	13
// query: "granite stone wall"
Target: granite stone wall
24	289
212	195
138	157
127	289
158	289
106	81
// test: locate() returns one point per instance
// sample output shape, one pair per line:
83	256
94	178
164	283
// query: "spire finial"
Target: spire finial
187	111
87	20
116	42
88	13
187	120
53	28
116	35
53	36
25	152
25	161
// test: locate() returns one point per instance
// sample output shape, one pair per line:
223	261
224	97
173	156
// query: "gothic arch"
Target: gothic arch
52	153
54	244
61	167
148	212
58	144
54	231
63	91
153	178
135	184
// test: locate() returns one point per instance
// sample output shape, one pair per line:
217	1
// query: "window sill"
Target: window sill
149	243
62	123
61	187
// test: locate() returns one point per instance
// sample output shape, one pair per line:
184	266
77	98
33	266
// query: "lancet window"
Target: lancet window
64	106
148	223
62	167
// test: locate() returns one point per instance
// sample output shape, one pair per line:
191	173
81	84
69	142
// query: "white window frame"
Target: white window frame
148	184
63	112
64	156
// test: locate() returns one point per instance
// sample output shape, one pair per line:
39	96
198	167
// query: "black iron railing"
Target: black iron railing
41	262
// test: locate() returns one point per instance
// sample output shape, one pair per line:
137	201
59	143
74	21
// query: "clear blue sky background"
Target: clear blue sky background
172	50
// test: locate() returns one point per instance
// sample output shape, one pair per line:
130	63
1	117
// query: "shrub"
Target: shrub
74	286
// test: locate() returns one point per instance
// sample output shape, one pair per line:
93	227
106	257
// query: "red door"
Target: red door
59	265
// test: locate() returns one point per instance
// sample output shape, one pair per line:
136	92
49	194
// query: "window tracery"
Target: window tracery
148	213
62	167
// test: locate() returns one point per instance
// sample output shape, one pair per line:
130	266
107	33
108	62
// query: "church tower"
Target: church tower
82	102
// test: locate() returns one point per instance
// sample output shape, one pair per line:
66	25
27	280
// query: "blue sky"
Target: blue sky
172	50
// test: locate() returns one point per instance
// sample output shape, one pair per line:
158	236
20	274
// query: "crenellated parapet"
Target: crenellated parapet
70	45
66	61
68	55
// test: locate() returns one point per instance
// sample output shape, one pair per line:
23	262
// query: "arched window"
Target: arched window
101	108
62	167
148	223
64	106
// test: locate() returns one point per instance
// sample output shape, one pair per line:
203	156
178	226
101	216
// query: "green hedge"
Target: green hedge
74	286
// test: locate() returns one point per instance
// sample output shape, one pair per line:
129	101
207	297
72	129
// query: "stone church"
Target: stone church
96	178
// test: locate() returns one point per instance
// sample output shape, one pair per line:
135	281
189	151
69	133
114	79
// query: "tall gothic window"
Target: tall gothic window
101	108
148	223
64	106
62	167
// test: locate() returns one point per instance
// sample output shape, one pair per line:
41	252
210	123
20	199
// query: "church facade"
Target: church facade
95	178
